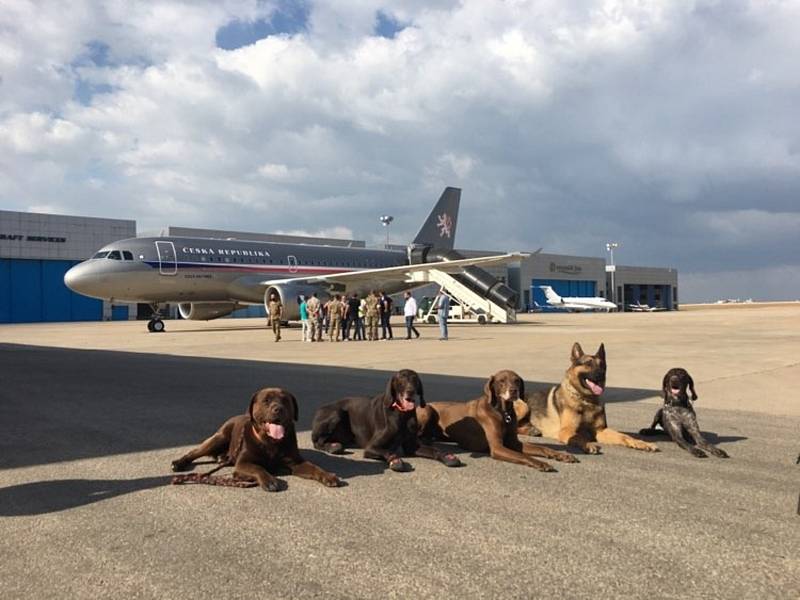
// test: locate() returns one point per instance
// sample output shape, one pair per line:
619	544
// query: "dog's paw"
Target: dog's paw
274	485
592	448
181	465
400	466
698	453
331	480
564	457
719	453
451	460
646	446
542	466
334	448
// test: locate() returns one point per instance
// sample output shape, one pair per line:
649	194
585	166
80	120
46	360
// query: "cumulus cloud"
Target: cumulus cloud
669	127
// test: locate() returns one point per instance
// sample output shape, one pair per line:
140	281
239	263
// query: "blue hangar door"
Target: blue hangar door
33	291
585	289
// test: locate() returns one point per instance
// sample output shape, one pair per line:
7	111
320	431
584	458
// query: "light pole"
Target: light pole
386	220
611	268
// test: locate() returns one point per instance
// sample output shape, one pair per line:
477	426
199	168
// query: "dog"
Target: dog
385	426
573	411
487	424
677	416
259	443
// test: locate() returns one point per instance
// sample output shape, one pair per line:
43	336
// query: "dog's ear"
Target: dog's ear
601	352
521	389
295	410
488	391
577	352
691	386
420	393
252	404
388	395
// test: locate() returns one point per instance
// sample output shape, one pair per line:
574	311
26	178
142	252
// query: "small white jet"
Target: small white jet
638	307
576	303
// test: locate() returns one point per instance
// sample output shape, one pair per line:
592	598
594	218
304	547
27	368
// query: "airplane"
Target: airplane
638	307
576	303
210	278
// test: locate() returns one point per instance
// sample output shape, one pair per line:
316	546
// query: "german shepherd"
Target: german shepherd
573	411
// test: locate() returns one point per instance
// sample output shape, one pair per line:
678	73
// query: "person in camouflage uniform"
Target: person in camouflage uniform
372	314
335	312
313	307
275	308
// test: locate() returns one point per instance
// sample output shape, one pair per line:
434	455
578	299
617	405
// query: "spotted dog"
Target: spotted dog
677	416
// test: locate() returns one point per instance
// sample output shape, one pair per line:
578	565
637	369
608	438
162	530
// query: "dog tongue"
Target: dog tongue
275	431
405	405
596	389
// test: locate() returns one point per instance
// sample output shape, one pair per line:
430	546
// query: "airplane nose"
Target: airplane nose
76	278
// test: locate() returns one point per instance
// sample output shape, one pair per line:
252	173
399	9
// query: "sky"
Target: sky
669	127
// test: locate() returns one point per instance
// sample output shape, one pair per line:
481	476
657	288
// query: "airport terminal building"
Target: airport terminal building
37	249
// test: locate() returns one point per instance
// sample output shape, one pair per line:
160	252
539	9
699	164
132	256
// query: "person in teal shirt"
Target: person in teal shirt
304	318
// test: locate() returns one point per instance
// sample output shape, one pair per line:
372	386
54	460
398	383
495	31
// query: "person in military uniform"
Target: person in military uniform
335	312
372	315
275	308
313	307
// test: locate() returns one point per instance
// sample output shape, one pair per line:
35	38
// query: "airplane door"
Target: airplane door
292	263
167	264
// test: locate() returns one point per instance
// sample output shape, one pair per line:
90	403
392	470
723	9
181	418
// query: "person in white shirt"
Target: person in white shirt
444	312
410	311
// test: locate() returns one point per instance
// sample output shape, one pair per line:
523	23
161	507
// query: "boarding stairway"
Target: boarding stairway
474	306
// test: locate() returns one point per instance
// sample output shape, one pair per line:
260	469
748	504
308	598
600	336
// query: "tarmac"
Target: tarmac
91	414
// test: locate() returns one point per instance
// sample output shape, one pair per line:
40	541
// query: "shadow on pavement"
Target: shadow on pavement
61	404
43	497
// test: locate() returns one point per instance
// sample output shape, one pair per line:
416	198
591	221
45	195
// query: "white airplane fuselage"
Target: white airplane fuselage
175	269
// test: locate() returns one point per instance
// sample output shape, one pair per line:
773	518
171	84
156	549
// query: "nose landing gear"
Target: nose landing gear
155	324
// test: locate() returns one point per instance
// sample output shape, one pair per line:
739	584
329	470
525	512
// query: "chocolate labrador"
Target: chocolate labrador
260	443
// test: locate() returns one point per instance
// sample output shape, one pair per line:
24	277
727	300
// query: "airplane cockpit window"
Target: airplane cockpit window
127	255
114	255
101	254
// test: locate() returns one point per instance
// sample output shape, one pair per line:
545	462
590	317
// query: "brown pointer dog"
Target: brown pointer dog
572	411
261	441
487	424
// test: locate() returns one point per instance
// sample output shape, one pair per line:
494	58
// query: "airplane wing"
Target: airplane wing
402	272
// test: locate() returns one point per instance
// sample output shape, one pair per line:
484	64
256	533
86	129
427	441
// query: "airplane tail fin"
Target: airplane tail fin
439	230
551	295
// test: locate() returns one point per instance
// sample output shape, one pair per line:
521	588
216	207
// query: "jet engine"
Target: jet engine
205	311
289	294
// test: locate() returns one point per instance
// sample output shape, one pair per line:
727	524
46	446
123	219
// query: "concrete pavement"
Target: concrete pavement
91	415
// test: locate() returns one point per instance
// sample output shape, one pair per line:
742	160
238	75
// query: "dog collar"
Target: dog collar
256	434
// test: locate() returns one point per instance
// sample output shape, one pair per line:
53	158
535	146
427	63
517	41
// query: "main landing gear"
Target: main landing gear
155	324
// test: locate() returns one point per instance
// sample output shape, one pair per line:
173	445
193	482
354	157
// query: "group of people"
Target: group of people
340	317
347	318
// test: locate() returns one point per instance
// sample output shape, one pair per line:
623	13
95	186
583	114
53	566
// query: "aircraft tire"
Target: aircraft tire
157	326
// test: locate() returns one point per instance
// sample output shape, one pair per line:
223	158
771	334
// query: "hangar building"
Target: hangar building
35	252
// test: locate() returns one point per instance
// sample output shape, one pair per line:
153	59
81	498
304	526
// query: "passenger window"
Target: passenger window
114	255
127	255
